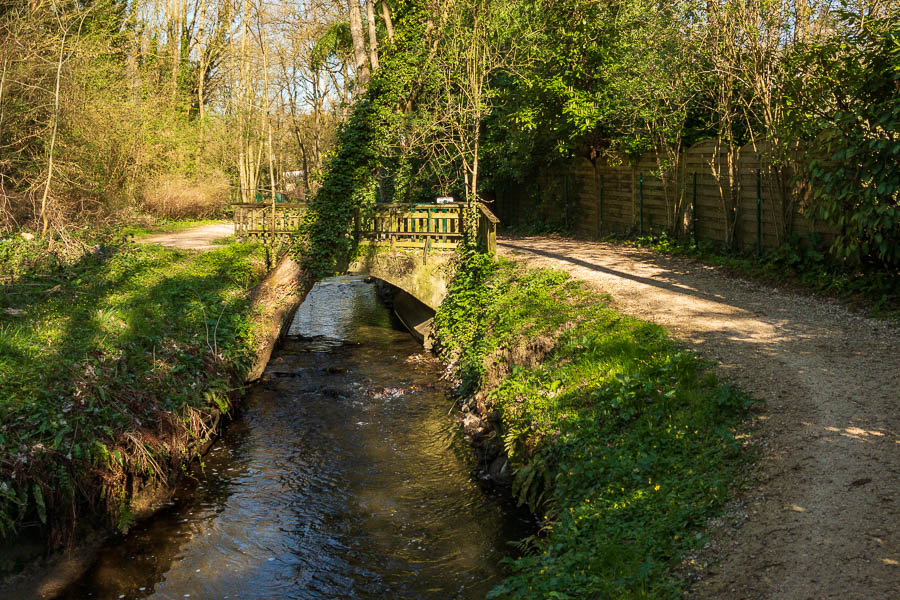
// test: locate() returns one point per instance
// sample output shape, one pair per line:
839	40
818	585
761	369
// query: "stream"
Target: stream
344	476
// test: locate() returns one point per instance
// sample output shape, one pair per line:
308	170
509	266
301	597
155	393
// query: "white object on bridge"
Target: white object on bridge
445	200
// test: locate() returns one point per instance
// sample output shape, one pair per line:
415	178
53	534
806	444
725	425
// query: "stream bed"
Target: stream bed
343	477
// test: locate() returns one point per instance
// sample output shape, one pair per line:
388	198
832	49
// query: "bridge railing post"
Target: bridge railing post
428	232
487	229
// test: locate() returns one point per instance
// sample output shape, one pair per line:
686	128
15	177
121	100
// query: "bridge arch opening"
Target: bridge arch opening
416	317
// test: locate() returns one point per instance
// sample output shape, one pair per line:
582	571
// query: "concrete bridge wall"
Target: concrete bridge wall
425	277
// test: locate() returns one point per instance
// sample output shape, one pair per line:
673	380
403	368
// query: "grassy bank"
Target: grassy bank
622	441
115	360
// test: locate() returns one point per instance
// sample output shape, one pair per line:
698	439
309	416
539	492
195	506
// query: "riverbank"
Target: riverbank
624	442
827	428
342	477
118	362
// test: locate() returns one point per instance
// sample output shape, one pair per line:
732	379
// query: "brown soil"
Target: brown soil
821	516
195	238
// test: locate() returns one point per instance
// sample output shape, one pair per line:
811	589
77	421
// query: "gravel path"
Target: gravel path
822	518
195	238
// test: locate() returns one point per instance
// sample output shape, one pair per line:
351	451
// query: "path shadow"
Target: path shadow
679	289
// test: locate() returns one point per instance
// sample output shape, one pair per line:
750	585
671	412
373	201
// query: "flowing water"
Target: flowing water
344	477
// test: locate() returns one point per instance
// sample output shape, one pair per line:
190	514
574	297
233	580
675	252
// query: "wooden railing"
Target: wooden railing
258	219
426	227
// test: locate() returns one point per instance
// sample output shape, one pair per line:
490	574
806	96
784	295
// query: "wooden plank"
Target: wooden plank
402	234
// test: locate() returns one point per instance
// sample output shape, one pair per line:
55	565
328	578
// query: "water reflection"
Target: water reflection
344	478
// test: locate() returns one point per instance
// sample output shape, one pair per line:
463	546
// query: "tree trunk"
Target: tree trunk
175	33
45	219
2	86
271	173
373	38
388	22
305	159
201	80
317	123
359	45
474	196
242	170
265	53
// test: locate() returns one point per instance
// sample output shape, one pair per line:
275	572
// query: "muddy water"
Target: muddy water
343	478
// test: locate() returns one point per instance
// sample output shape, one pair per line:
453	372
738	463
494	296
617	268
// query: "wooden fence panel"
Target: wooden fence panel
660	193
617	198
606	199
763	223
709	219
586	213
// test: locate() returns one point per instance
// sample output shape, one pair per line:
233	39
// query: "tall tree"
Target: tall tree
388	20
363	73
373	37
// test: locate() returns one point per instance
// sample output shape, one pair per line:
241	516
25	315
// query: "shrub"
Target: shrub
177	197
13	210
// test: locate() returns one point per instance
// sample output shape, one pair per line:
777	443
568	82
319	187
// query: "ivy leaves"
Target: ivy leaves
857	182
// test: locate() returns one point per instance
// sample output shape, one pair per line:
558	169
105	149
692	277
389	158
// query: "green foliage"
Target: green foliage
613	78
363	142
559	98
126	116
335	41
620	79
623	441
374	159
108	357
461	318
857	182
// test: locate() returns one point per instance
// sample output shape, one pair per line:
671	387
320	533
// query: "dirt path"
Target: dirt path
823	517
195	238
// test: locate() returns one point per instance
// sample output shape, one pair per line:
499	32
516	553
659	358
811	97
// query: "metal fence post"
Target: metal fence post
694	211
641	230
758	212
599	205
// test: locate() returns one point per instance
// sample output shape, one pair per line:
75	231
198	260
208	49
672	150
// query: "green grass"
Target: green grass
225	241
621	440
109	377
166	225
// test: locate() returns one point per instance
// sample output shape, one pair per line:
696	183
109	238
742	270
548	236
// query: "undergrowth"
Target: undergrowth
623	442
537	226
114	363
